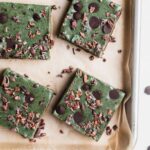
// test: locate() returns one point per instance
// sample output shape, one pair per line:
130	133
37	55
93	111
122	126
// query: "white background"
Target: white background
143	140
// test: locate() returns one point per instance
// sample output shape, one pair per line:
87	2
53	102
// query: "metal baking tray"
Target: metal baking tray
133	104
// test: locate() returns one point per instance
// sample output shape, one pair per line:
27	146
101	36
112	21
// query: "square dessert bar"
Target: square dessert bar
89	24
88	105
25	31
22	102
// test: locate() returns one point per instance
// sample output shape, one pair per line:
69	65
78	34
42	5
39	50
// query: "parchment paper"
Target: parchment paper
114	71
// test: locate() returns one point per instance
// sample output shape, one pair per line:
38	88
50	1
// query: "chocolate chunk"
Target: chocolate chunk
147	90
86	87
113	94
11	43
94	22
97	94
36	17
78	6
94	7
148	148
60	109
78	117
77	15
3	18
107	28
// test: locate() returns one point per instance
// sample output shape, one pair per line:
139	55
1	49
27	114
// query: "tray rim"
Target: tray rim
136	27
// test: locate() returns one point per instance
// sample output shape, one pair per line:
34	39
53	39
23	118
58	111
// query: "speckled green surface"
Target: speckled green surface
28	40
25	89
96	109
90	35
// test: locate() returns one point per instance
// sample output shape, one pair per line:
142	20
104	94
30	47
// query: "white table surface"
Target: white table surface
143	140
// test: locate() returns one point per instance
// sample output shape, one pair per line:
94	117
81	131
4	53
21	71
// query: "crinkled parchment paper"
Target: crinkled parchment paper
114	71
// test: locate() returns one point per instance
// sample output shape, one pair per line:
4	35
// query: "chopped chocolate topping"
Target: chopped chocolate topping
73	24
86	87
36	17
113	94
11	43
107	28
97	94
3	18
78	6
77	15
60	109
78	117
93	7
94	22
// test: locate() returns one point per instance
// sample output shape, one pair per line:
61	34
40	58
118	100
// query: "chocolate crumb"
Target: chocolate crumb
78	49
119	51
73	50
54	7
115	127
68	46
108	130
32	140
25	75
59	76
112	39
91	57
49	72
61	131
104	60
67	70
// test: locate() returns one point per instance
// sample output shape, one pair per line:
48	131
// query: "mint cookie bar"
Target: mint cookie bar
25	31
88	105
22	102
90	23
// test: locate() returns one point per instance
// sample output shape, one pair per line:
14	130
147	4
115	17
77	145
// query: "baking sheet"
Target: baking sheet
114	71
133	104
